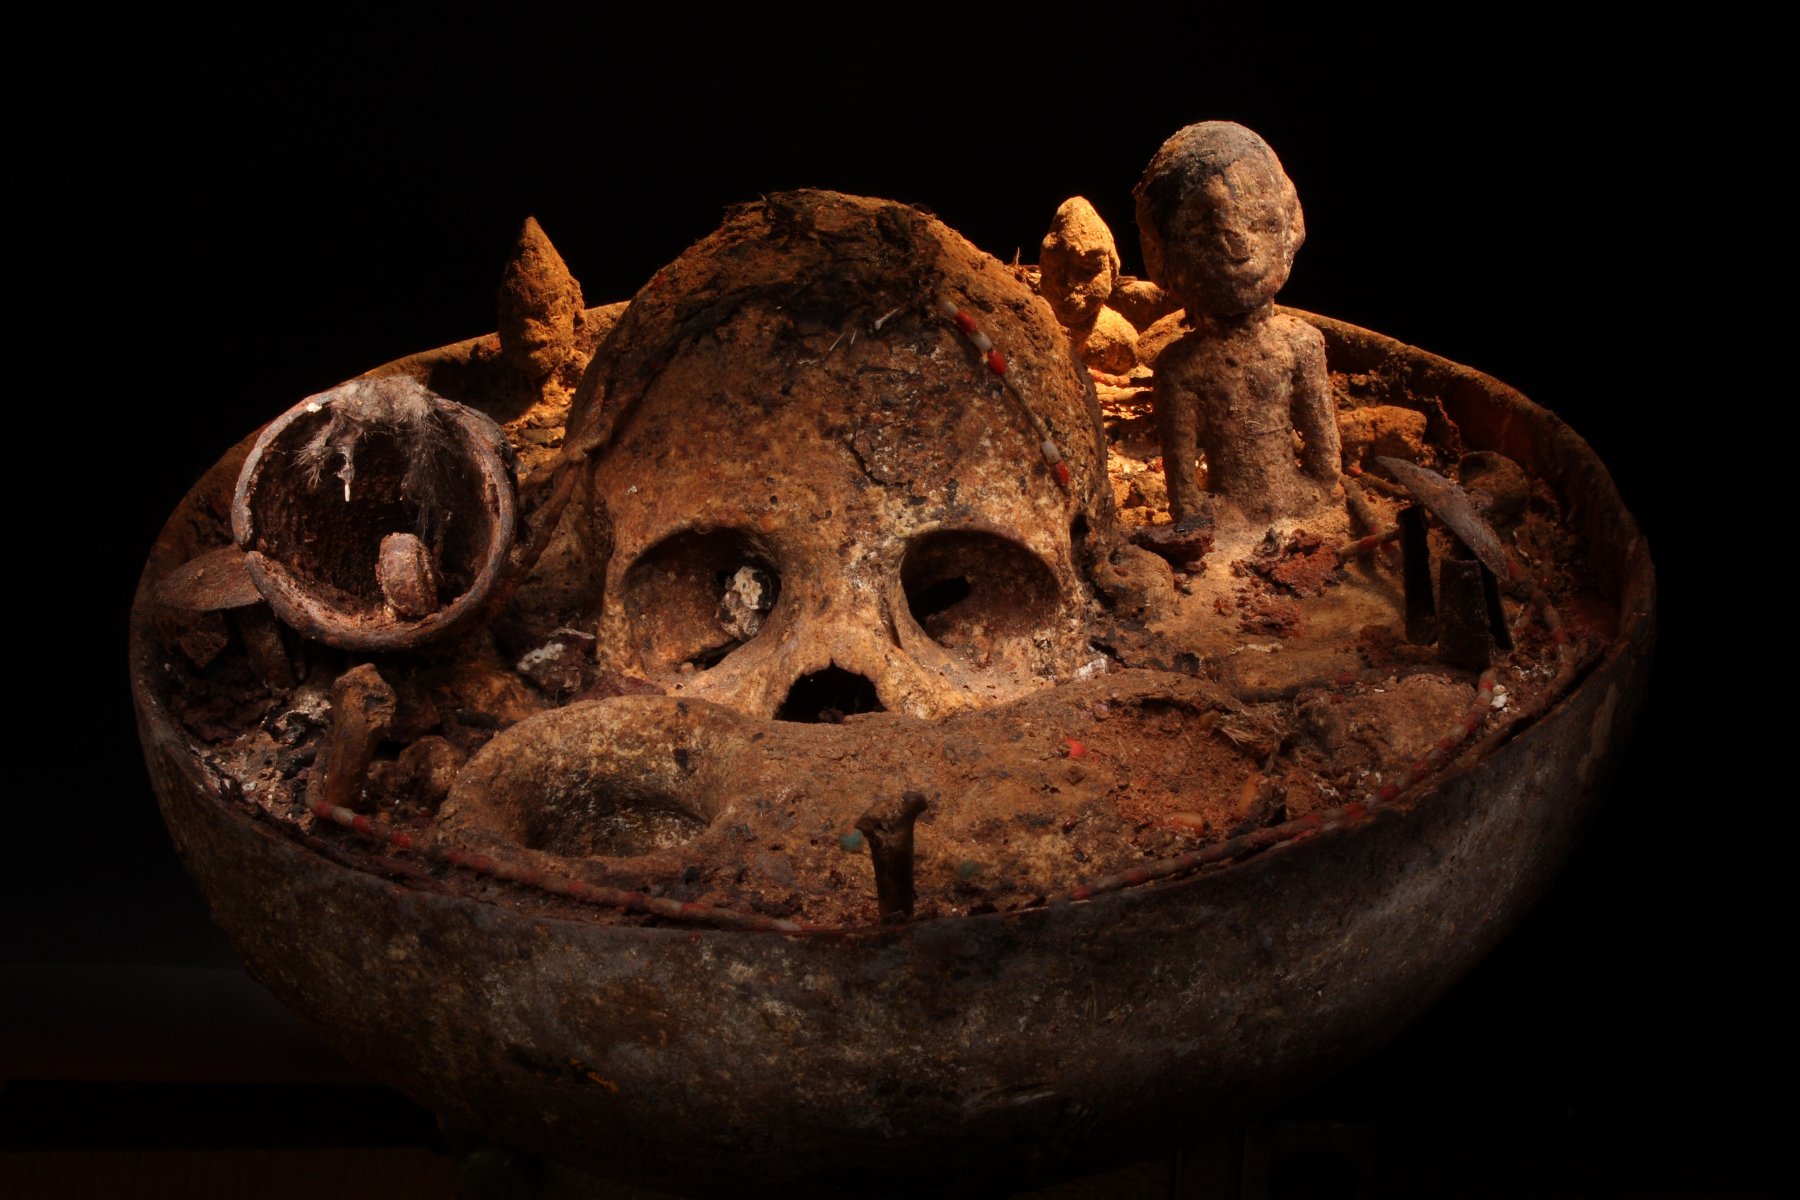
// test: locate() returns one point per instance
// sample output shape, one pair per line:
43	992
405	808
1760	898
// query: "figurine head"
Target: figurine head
1079	263
813	477
1219	219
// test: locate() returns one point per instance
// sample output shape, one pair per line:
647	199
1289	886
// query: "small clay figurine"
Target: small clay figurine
1220	222
1079	266
540	305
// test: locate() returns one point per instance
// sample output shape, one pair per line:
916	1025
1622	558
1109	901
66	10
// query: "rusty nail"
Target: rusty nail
1464	638
1415	575
1496	615
888	824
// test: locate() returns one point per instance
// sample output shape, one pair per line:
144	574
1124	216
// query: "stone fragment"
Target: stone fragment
421	775
1160	335
1183	544
1301	563
204	639
1141	302
1140	584
561	665
1110	344
1497	483
1382	429
214	581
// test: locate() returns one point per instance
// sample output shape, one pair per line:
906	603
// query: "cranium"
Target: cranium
820	493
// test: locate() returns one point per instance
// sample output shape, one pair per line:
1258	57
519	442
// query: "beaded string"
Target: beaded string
544	881
996	362
1297	830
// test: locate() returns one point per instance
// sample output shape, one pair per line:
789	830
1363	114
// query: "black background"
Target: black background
1557	205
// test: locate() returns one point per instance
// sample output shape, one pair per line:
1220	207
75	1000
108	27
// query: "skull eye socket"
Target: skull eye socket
695	597
970	590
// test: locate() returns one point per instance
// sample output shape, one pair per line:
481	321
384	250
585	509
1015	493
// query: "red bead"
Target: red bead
996	362
964	321
1062	473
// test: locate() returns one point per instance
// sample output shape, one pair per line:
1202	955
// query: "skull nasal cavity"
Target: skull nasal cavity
828	696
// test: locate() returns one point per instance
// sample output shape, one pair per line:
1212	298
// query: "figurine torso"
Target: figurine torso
1242	376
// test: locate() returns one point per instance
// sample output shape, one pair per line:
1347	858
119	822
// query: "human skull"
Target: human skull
820	494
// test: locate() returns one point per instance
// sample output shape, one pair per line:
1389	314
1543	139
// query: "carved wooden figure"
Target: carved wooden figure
1220	223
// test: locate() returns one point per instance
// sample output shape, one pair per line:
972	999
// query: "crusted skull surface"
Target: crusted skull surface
820	493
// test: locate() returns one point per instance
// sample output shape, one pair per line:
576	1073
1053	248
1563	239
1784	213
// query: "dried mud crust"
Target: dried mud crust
1272	684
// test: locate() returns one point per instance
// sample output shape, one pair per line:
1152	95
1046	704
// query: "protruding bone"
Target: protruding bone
1415	576
362	712
1464	639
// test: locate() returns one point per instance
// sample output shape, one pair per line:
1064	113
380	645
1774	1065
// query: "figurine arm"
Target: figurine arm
1178	422
1315	412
